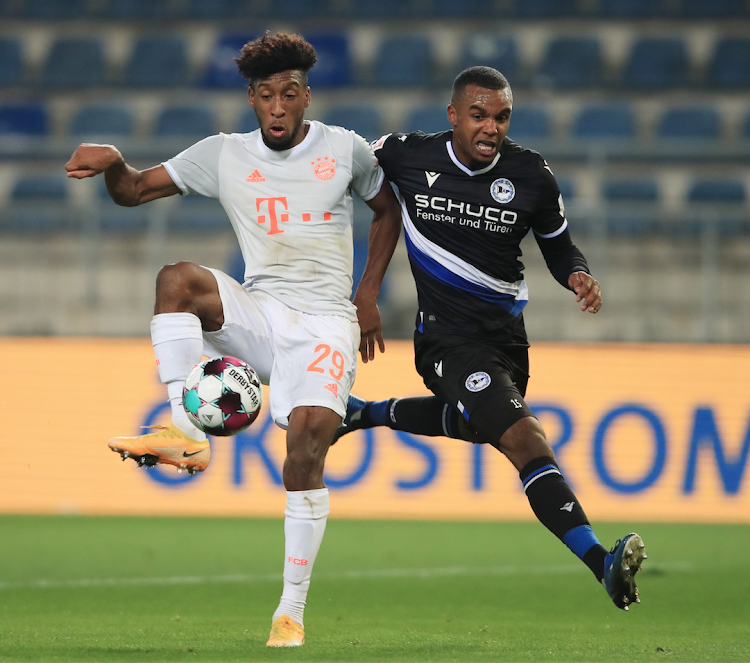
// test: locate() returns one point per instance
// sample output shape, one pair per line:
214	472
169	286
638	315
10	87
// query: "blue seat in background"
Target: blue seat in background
98	121
247	121
297	9
404	61
385	9
471	9
55	9
333	68
137	9
631	8
655	63
364	119
190	121
529	122
692	123
571	62
198	215
24	119
113	219
11	62
429	119
615	122
157	61
730	192
543	8
497	51
712	8
631	190
50	188
74	63
567	188
217	9
730	65
221	71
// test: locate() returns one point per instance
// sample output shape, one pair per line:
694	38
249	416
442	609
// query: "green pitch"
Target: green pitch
137	589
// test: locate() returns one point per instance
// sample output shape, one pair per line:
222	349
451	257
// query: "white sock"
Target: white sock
305	523
178	345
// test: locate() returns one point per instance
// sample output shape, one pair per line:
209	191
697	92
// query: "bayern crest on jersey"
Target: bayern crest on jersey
502	190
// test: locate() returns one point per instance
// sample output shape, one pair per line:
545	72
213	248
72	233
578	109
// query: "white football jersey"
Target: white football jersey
292	210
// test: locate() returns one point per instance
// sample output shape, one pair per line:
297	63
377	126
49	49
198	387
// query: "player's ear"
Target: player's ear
251	95
452	115
307	96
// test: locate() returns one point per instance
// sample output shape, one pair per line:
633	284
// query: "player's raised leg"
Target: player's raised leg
308	438
187	302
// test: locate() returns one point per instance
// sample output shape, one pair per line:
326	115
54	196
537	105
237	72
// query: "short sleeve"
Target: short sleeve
388	151
367	176
549	217
196	169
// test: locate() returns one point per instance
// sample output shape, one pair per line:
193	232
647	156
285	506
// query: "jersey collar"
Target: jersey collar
285	154
469	172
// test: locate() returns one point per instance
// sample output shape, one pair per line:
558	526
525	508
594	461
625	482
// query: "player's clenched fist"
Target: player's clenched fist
91	159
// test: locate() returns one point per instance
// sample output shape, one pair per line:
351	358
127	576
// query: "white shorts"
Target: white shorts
305	359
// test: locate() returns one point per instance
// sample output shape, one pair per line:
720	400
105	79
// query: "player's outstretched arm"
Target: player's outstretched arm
587	289
126	185
384	232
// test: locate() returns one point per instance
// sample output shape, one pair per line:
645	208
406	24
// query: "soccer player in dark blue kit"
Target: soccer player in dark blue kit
469	196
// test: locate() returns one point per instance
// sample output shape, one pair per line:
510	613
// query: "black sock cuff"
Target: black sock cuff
536	464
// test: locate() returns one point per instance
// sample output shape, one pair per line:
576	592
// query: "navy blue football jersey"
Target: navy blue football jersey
463	228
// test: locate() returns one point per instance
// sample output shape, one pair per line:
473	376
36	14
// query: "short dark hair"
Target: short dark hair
271	54
485	77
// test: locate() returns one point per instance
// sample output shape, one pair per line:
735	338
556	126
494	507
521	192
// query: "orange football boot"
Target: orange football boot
285	632
168	445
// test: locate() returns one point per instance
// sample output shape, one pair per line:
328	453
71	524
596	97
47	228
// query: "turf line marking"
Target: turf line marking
347	575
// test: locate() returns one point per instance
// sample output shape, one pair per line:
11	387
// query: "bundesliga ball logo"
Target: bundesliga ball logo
222	396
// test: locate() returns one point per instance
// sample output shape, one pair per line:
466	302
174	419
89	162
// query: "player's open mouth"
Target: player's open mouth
277	131
486	148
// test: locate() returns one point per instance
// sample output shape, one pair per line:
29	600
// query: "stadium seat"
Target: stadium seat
490	50
102	121
567	189
544	8
462	9
37	205
712	8
11	62
198	214
656	63
429	119
217	9
40	188
333	68
191	121
24	119
157	61
365	120
74	63
730	65
693	123
730	192
631	190
113	219
137	9
529	122
386	9
55	9
222	70
571	62
631	8
296	9
247	121
404	61
616	122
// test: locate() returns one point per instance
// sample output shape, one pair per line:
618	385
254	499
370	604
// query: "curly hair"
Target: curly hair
271	54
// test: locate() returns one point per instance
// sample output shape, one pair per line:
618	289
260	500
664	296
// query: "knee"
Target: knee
178	277
524	441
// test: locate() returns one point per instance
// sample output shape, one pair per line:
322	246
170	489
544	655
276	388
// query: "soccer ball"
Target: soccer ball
222	396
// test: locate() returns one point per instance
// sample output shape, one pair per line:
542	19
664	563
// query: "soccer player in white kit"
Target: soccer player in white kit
286	189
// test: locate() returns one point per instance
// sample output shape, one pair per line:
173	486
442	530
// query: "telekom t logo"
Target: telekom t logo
271	204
